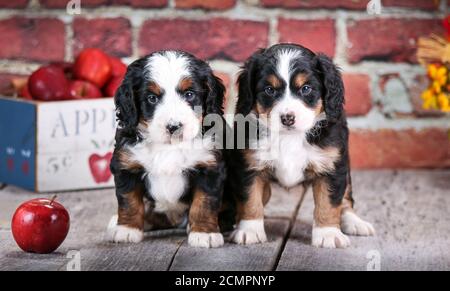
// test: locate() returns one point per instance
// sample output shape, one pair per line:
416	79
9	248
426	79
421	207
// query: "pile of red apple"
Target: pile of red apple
94	74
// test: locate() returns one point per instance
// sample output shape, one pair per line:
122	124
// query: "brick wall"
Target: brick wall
383	80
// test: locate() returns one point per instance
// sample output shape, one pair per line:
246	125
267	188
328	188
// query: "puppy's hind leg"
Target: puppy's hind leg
351	223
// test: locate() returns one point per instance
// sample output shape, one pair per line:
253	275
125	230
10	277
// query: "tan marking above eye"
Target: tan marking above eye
185	84
300	79
274	81
154	88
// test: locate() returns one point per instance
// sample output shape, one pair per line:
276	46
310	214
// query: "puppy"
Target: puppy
297	97
165	167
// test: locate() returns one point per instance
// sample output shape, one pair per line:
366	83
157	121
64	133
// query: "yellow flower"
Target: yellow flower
437	87
438	73
432	71
430	104
427	94
444	102
437	96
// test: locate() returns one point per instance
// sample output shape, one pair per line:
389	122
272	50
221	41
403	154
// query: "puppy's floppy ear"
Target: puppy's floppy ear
216	94
125	97
333	87
246	98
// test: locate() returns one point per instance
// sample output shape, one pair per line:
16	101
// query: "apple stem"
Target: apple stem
53	199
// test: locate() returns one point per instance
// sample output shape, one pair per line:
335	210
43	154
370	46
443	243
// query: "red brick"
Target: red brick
417	4
63	3
358	98
13	4
387	148
6	87
207	5
317	35
96	3
37	39
141	3
113	35
316	4
388	39
217	38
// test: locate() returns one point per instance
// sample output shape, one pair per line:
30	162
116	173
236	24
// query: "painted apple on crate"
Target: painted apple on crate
10	164
99	166
26	167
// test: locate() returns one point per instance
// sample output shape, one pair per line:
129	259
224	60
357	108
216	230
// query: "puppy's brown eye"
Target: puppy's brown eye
189	95
152	99
305	90
270	91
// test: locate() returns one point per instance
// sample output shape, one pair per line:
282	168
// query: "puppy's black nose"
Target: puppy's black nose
288	119
174	127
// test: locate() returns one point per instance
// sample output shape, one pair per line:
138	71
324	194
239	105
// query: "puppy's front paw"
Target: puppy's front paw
123	234
329	237
249	232
205	240
351	224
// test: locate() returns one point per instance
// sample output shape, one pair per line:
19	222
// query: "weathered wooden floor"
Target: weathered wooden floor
409	209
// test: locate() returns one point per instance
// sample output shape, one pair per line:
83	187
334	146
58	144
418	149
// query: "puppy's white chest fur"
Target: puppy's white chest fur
292	161
165	166
289	155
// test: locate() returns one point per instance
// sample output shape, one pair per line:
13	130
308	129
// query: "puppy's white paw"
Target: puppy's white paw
123	234
205	240
329	237
249	232
351	224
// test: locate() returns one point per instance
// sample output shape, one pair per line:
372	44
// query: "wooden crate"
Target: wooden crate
56	146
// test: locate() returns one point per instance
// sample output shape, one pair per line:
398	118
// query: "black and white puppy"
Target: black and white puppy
164	166
298	96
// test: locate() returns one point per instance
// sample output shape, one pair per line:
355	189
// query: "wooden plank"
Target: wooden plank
232	257
283	203
410	212
90	212
13	259
153	254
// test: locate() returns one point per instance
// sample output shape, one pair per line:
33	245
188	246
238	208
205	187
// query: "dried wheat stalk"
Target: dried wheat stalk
433	49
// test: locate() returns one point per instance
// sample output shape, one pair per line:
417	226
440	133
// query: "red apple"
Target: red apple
118	68
112	86
40	225
49	83
67	67
83	90
93	65
25	93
